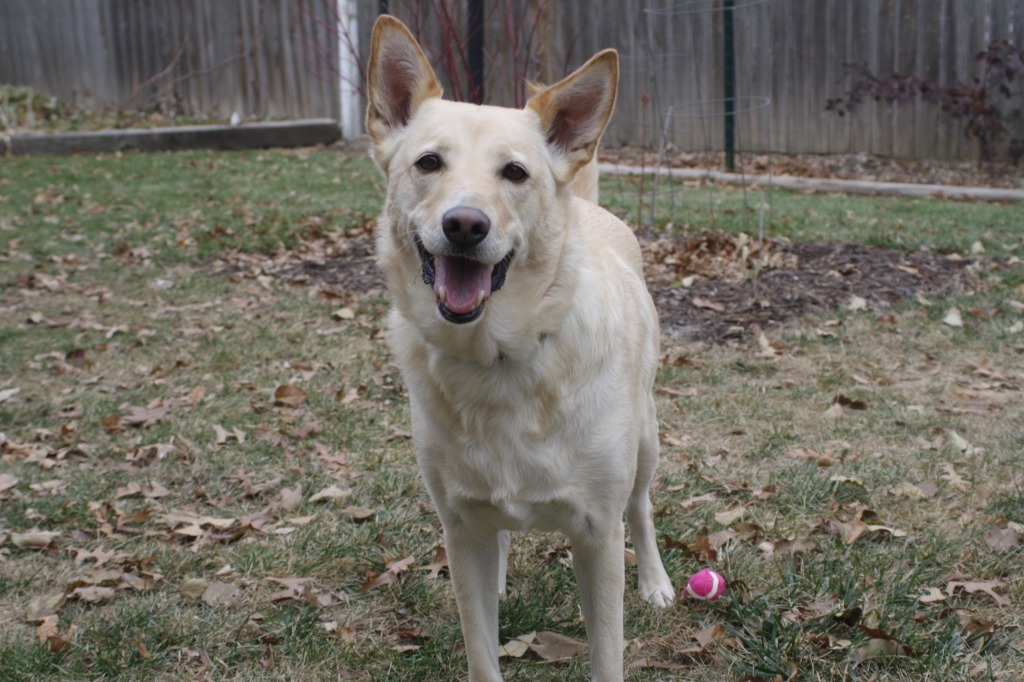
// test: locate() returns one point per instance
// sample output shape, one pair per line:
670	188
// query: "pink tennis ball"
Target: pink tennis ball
706	585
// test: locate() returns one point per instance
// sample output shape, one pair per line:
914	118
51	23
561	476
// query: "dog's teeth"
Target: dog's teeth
442	295
479	298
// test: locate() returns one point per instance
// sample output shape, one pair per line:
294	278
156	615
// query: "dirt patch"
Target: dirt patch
708	286
715	286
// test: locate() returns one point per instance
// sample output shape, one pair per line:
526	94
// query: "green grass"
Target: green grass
79	273
887	222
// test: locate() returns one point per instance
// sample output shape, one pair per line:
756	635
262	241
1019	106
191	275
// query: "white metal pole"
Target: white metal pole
348	69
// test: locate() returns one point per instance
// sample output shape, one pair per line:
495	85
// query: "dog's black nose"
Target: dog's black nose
465	226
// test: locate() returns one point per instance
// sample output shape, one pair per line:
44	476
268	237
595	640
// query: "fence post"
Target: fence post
348	69
475	50
729	84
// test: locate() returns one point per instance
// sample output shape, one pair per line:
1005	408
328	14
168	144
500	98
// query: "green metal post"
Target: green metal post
729	85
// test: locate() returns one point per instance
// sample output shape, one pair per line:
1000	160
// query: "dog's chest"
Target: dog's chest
508	438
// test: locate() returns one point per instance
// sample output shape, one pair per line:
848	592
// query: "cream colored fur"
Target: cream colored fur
539	413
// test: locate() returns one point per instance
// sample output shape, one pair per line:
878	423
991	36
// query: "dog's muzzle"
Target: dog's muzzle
461	284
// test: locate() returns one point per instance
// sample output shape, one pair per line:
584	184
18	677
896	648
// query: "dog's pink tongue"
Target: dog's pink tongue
463	281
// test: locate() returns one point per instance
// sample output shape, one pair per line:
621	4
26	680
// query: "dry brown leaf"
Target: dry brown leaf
953	318
852	403
552	647
332	492
710	635
193	588
1002	539
154	491
221	594
42	606
7	481
293	589
47	628
954	478
988	587
706	304
34	539
144	417
516	648
196	395
388	577
440	563
821	459
908	490
93	593
856	303
934	595
129	490
357	513
289	395
878	648
791	547
694	501
291	498
731	516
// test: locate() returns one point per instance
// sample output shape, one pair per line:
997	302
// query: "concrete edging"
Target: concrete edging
301	133
904	189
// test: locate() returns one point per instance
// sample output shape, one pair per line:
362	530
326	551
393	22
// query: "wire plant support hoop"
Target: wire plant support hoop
701	75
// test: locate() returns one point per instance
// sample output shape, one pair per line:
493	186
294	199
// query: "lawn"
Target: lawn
206	472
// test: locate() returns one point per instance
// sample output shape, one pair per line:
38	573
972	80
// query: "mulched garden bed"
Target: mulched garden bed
709	286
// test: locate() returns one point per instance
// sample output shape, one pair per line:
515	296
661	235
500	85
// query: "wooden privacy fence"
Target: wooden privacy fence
280	59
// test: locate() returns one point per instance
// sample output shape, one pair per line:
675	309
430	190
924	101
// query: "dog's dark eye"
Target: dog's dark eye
428	163
514	172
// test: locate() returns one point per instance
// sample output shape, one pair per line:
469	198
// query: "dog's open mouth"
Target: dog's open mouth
462	285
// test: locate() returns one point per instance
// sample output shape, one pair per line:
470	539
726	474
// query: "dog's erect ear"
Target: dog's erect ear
575	110
399	78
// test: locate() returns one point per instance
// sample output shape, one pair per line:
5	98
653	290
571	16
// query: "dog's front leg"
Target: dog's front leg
600	571
473	560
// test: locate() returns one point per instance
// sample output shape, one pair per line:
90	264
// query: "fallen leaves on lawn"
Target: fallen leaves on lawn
300	590
987	587
858	526
553	647
550	647
1002	539
730	516
332	492
93	593
388	577
953	318
822	459
794	546
35	539
879	649
439	564
291	396
220	593
357	513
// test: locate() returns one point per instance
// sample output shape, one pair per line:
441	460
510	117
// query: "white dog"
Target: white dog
525	332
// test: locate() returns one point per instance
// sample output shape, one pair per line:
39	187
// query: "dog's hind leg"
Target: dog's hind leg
654	583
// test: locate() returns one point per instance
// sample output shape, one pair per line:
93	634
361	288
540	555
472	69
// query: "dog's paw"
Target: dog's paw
659	594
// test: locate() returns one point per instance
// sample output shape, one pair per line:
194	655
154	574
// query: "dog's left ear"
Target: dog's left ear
399	78
574	111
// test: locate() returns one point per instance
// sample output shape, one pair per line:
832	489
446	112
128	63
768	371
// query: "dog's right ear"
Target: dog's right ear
399	78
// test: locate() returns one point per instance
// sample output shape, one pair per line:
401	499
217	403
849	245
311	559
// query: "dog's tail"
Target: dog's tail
584	185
